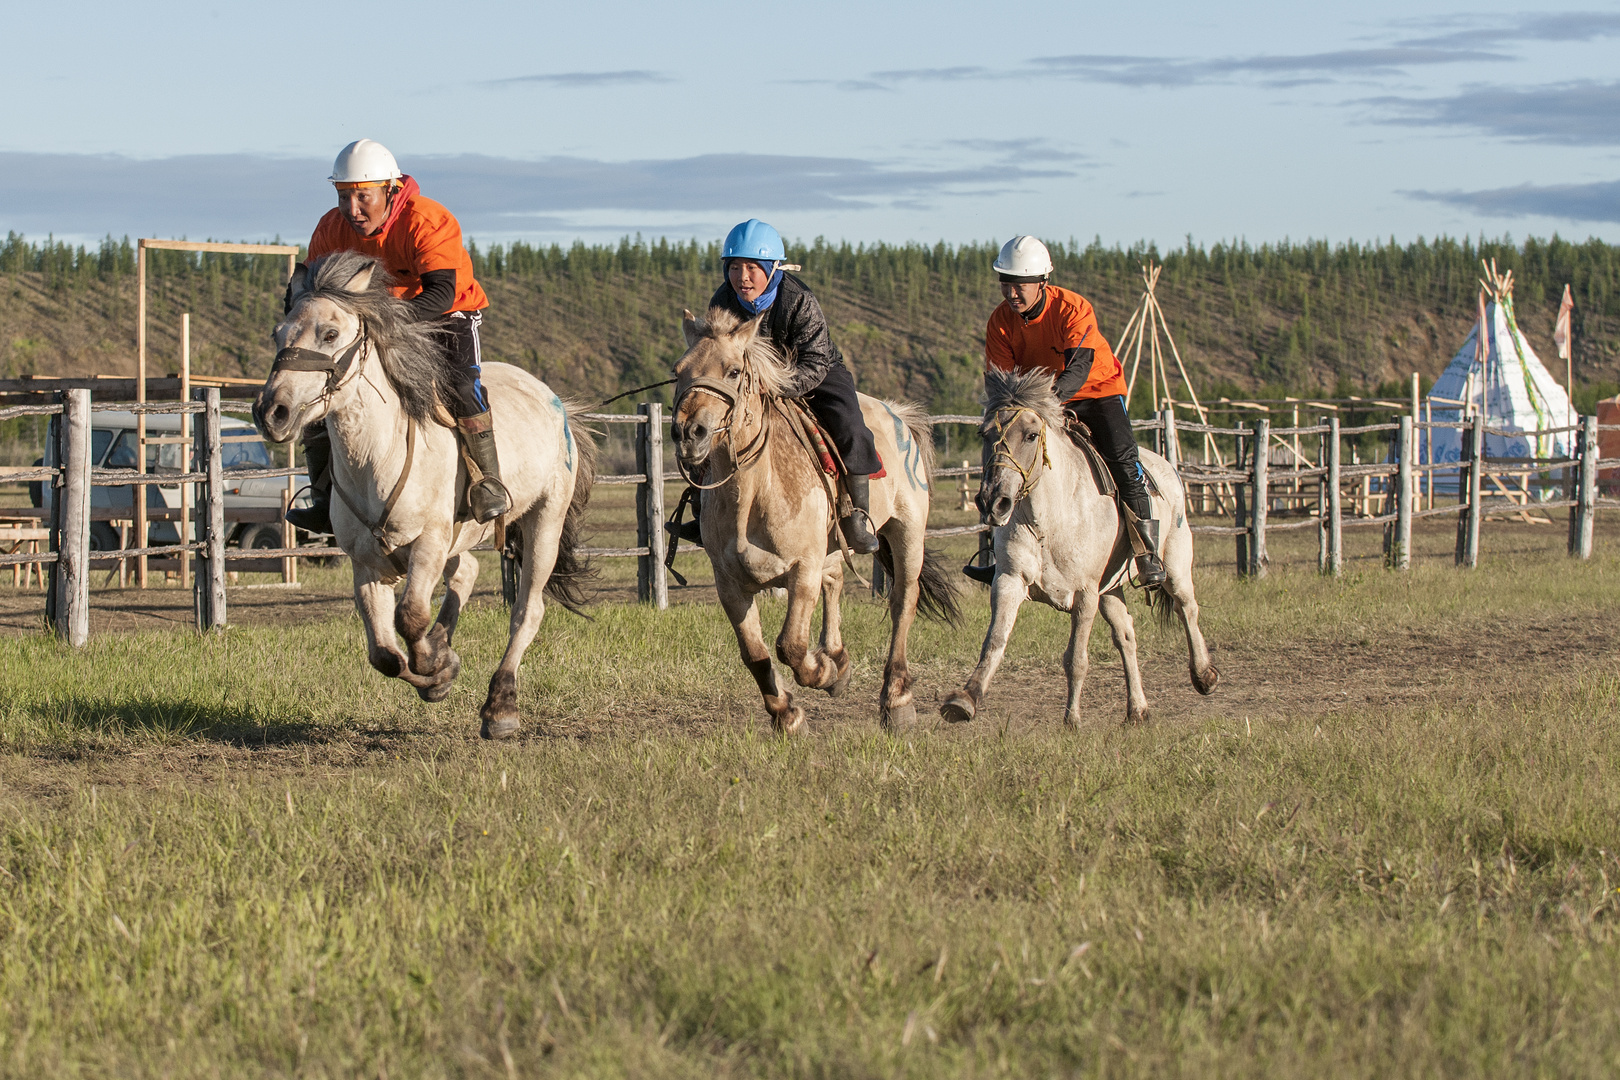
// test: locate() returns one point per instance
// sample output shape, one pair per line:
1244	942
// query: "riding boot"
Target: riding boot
317	516
857	525
984	575
1150	572
690	530
488	498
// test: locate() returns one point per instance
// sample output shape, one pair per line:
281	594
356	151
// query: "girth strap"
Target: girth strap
377	529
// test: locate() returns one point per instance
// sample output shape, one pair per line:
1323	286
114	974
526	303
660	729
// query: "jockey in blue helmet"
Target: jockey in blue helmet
758	286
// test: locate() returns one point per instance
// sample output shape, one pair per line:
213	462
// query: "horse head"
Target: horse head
1019	410
318	343
720	383
341	315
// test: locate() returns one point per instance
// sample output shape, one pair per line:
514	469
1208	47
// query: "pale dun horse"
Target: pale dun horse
768	518
1060	540
351	356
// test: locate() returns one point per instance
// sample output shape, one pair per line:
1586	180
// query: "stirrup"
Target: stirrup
862	539
690	531
984	575
1150	571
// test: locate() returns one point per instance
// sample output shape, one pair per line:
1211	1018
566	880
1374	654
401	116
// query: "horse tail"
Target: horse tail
1163	606
572	575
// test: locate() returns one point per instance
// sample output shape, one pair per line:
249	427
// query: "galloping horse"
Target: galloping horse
768	514
1060	540
351	355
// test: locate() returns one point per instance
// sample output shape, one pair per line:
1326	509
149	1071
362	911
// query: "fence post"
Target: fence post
652	583
1401	557
210	582
1259	559
1240	514
1586	496
1172	446
1335	509
1476	475
70	574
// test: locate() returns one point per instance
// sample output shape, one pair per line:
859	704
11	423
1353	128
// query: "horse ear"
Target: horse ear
749	330
689	327
361	281
295	286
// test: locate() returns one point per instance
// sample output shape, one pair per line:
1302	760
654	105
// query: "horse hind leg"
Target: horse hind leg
1179	590
499	715
1123	626
460	573
897	708
832	641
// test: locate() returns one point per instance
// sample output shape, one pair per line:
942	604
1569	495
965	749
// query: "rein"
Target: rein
733	399
1030	476
381	525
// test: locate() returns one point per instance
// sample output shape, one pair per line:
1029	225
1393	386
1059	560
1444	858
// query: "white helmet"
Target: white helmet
364	161
1024	258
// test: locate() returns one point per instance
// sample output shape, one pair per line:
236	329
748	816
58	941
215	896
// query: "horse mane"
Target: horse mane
411	351
764	361
1030	390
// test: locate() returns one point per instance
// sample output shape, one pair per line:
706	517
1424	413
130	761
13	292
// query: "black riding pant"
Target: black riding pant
1111	434
839	409
460	336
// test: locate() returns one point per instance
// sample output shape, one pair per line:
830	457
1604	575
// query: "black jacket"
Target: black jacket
795	325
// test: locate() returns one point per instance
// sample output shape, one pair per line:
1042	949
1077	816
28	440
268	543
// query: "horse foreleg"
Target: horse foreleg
1124	630
1006	595
786	717
832	639
540	539
460	572
811	667
414	615
896	709
375	602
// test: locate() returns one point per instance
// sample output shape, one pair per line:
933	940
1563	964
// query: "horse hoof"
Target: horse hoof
899	718
1206	684
792	724
1071	720
500	727
1141	719
958	708
434	692
841	683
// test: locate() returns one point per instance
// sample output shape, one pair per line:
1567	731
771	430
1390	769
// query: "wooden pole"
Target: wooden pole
211	563
1240	513
71	572
1402	555
1335	510
1587	498
1476	473
1259	560
652	583
140	492
186	454
1172	445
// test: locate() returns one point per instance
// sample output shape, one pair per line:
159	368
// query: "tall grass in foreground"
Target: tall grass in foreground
250	856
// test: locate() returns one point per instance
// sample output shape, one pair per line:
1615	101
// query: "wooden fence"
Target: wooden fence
1250	486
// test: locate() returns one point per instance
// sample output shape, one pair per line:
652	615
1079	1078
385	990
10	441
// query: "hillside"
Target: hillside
1282	318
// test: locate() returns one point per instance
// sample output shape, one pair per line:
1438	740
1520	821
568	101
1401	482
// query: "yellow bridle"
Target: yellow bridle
1030	476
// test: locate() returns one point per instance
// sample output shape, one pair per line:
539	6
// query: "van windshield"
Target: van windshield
244	455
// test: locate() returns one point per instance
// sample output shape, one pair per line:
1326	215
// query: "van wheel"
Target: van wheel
261	537
103	537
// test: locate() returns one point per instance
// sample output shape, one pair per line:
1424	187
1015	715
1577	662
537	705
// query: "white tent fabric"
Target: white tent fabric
1509	385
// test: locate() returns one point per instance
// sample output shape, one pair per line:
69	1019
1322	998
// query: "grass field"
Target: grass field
1387	846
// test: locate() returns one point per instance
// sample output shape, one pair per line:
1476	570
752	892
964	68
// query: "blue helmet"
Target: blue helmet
754	239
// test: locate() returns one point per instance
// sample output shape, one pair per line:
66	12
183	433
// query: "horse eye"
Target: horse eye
331	335
734	373
1031	437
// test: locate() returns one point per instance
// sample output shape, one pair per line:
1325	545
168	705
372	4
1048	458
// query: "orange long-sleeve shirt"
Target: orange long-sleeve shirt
1066	322
419	235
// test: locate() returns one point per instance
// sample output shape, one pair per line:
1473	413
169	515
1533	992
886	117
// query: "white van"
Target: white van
113	446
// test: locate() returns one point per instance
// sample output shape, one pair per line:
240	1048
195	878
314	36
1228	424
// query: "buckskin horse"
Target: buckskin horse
350	356
1061	540
769	515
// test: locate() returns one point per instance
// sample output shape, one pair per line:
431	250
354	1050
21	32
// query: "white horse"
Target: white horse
1060	540
350	355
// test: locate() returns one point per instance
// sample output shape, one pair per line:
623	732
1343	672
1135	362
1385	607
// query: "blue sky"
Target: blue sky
907	121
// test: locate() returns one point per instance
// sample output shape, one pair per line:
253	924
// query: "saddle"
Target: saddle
1081	436
820	443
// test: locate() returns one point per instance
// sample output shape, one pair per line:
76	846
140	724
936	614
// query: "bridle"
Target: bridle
1003	452
735	399
339	369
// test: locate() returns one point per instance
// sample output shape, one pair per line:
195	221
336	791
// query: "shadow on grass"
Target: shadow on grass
179	719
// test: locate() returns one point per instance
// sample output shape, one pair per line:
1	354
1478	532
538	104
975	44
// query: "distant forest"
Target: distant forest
1255	321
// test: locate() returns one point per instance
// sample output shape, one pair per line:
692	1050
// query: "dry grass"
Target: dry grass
252	856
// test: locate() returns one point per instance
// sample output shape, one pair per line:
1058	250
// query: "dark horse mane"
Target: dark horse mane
412	352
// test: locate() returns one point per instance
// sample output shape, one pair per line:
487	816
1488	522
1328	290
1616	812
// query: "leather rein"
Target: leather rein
340	370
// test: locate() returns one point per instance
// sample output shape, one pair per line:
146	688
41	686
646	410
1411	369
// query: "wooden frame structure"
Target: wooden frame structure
290	253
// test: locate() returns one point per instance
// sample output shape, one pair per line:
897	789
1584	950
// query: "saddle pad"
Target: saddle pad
823	446
1081	437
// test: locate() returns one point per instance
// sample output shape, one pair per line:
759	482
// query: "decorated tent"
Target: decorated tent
1497	373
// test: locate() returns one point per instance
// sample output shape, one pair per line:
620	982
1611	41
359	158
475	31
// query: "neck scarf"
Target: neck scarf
766	298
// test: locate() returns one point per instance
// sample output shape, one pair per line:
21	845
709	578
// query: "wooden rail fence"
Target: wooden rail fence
1250	485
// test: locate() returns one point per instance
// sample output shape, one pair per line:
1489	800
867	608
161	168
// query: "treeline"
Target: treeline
1269	319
